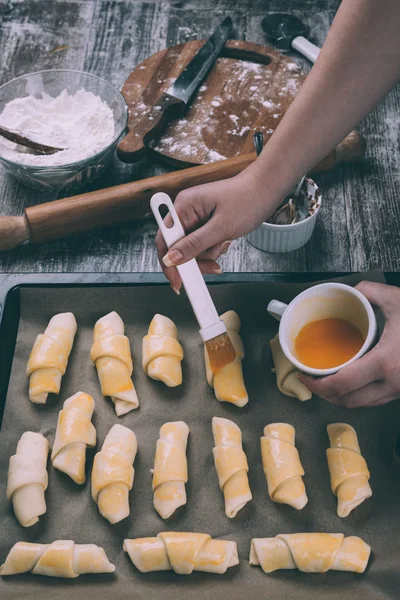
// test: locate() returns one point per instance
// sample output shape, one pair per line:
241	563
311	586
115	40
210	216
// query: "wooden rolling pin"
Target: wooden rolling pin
130	201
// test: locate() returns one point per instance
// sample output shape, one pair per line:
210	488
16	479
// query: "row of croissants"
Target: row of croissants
162	355
188	552
113	472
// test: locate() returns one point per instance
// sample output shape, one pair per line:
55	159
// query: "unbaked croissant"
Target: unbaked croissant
348	469
286	374
74	432
282	466
170	468
28	479
182	553
111	354
162	353
113	473
49	357
310	553
62	558
231	465
228	382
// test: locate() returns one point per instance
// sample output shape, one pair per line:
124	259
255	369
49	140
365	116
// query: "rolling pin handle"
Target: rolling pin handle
352	148
14	231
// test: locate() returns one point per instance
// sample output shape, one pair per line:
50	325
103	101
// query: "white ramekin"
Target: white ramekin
286	238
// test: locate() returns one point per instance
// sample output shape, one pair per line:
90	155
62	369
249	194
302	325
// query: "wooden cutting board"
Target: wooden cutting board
249	89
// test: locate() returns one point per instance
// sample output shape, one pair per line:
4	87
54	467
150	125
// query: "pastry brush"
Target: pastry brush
212	330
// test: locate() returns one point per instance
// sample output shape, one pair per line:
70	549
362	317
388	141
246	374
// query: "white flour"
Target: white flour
193	137
81	123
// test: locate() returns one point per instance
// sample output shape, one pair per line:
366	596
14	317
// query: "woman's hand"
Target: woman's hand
213	215
374	378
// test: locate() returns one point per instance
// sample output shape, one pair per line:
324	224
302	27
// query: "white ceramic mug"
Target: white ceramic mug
321	302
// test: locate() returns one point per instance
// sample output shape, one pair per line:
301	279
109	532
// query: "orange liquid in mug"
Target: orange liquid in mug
327	343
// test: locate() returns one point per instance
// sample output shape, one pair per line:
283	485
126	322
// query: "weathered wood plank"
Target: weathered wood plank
371	191
32	31
358	225
122	35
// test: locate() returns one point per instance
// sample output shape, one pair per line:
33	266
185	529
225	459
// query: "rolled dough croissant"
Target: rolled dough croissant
348	469
231	465
62	558
228	382
49	357
170	468
28	479
310	553
162	352
113	473
282	466
182	553
286	374
74	432
111	354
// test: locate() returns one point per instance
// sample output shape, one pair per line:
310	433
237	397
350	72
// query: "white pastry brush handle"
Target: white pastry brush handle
192	279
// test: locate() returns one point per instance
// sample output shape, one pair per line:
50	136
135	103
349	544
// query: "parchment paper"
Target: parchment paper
72	514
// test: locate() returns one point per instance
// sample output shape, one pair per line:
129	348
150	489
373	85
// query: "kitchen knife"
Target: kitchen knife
287	31
173	103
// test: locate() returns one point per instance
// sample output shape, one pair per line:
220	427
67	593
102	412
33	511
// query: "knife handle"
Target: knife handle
133	147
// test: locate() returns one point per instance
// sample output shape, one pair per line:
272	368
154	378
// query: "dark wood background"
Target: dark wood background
359	225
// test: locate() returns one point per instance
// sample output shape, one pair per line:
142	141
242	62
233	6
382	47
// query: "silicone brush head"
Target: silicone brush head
220	351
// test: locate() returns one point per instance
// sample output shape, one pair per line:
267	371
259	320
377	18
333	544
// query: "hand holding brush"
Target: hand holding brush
212	330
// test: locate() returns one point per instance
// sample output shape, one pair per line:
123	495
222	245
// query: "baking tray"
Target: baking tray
72	513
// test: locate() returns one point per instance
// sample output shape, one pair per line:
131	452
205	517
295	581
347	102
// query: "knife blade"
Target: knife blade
191	77
173	103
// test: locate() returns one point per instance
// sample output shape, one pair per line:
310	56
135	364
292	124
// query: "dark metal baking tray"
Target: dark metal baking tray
28	300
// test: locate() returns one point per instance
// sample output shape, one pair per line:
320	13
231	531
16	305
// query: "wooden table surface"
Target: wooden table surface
359	224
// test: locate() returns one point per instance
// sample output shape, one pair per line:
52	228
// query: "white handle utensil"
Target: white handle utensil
210	324
306	48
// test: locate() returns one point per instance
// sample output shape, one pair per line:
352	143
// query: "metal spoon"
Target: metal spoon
301	199
298	202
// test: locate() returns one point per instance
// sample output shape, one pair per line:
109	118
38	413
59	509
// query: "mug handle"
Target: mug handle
276	309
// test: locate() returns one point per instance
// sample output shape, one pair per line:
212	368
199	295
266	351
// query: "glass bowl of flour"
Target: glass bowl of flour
80	114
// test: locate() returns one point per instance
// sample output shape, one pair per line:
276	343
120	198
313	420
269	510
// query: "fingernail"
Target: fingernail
217	271
225	246
177	292
172	258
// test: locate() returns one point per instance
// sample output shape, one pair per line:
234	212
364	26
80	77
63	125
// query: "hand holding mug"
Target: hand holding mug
369	378
373	379
306	319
